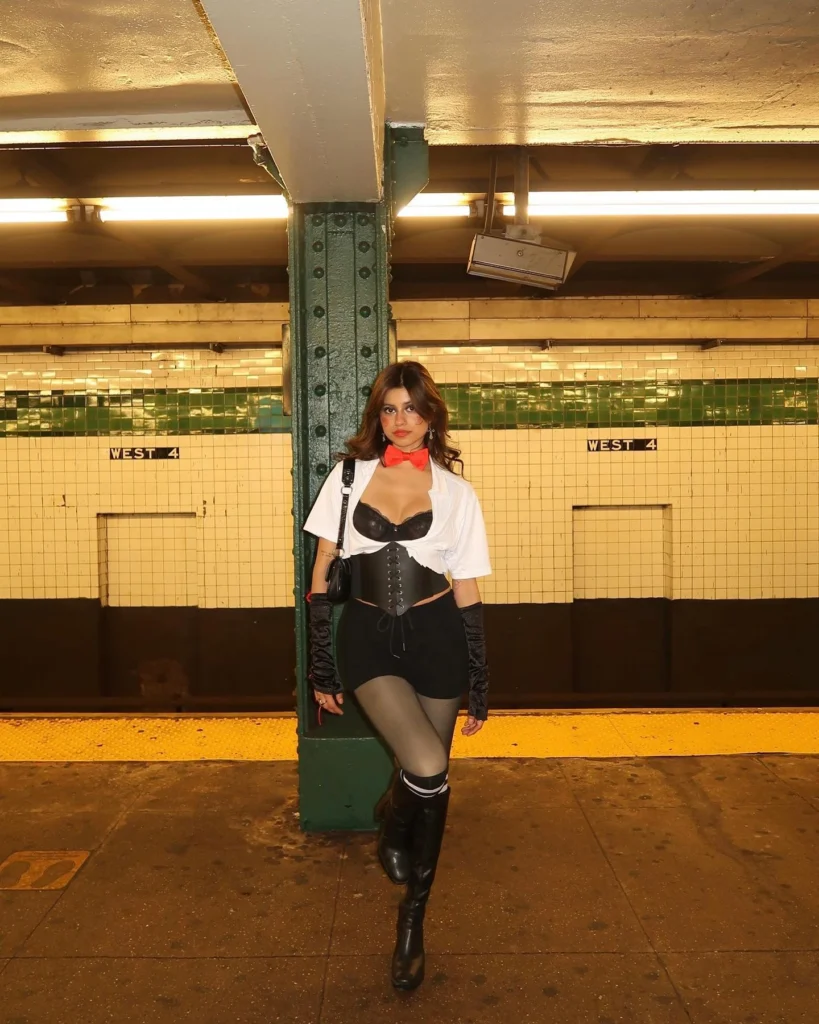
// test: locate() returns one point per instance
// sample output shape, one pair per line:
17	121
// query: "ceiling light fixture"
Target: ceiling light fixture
32	211
434	211
647	203
437	204
655	203
167	208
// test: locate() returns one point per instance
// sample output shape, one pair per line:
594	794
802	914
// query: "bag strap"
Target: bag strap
347	477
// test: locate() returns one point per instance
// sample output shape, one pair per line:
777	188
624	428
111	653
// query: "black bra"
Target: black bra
374	525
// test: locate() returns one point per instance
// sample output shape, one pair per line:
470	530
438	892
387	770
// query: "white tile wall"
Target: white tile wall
743	519
743	502
744	506
528	363
139	368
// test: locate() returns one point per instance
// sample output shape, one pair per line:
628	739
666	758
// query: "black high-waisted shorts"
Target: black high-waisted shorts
426	646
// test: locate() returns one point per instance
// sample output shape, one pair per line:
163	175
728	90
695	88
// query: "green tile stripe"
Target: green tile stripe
175	411
143	411
687	403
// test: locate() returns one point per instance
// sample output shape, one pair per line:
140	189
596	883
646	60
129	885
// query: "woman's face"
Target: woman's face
403	426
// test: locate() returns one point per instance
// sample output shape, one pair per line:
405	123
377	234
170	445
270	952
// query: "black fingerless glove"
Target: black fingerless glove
323	676
478	669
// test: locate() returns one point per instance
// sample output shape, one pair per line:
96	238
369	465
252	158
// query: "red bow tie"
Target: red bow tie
394	457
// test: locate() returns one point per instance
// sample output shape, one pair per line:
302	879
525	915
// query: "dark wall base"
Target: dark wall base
654	653
49	648
76	655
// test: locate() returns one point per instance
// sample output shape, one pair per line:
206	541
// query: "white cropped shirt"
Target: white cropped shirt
455	545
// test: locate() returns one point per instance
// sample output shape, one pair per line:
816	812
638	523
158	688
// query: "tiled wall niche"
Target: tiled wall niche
232	477
622	551
148	559
737	463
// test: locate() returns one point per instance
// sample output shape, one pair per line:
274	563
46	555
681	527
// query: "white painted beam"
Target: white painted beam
312	74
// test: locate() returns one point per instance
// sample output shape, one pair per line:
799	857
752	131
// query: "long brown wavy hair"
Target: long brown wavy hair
368	443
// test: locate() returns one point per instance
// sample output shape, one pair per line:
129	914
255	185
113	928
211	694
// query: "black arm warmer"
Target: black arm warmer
323	676
478	669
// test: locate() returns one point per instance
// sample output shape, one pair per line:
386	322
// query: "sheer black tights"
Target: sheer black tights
418	729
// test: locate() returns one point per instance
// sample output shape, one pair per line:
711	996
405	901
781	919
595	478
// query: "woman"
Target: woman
409	641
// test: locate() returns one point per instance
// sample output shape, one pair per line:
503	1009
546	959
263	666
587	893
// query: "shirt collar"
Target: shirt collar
437	482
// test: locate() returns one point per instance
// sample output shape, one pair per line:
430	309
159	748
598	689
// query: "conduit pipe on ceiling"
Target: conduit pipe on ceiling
522	185
489	216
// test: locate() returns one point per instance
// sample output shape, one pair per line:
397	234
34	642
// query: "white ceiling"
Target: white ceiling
75	70
473	71
568	71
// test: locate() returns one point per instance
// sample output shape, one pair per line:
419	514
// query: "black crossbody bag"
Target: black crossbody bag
339	571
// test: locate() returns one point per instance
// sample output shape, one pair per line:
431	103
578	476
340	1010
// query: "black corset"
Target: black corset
374	525
391	579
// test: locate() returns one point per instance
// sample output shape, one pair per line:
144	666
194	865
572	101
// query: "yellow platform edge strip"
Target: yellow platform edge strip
604	734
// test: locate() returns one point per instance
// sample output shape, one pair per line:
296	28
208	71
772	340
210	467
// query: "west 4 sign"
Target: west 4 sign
138	454
610	444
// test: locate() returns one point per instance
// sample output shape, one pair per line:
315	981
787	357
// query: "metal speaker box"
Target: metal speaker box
512	259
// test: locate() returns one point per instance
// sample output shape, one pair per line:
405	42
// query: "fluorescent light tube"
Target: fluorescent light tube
32	211
437	204
417	210
160	208
645	203
655	203
167	208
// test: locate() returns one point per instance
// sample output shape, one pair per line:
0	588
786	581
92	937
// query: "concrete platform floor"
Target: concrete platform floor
658	891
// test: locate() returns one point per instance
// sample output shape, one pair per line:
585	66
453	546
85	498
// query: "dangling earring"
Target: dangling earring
431	433
383	436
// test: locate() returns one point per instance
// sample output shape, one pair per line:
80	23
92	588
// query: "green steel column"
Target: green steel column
339	341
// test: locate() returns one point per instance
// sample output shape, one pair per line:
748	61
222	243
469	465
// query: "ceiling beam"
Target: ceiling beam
662	162
312	73
25	287
46	172
808	248
591	249
151	256
50	173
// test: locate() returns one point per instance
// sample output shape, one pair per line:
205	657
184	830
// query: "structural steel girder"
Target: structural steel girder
312	73
339	340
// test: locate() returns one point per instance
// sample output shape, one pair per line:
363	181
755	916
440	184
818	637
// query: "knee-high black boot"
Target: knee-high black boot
396	809
427	836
